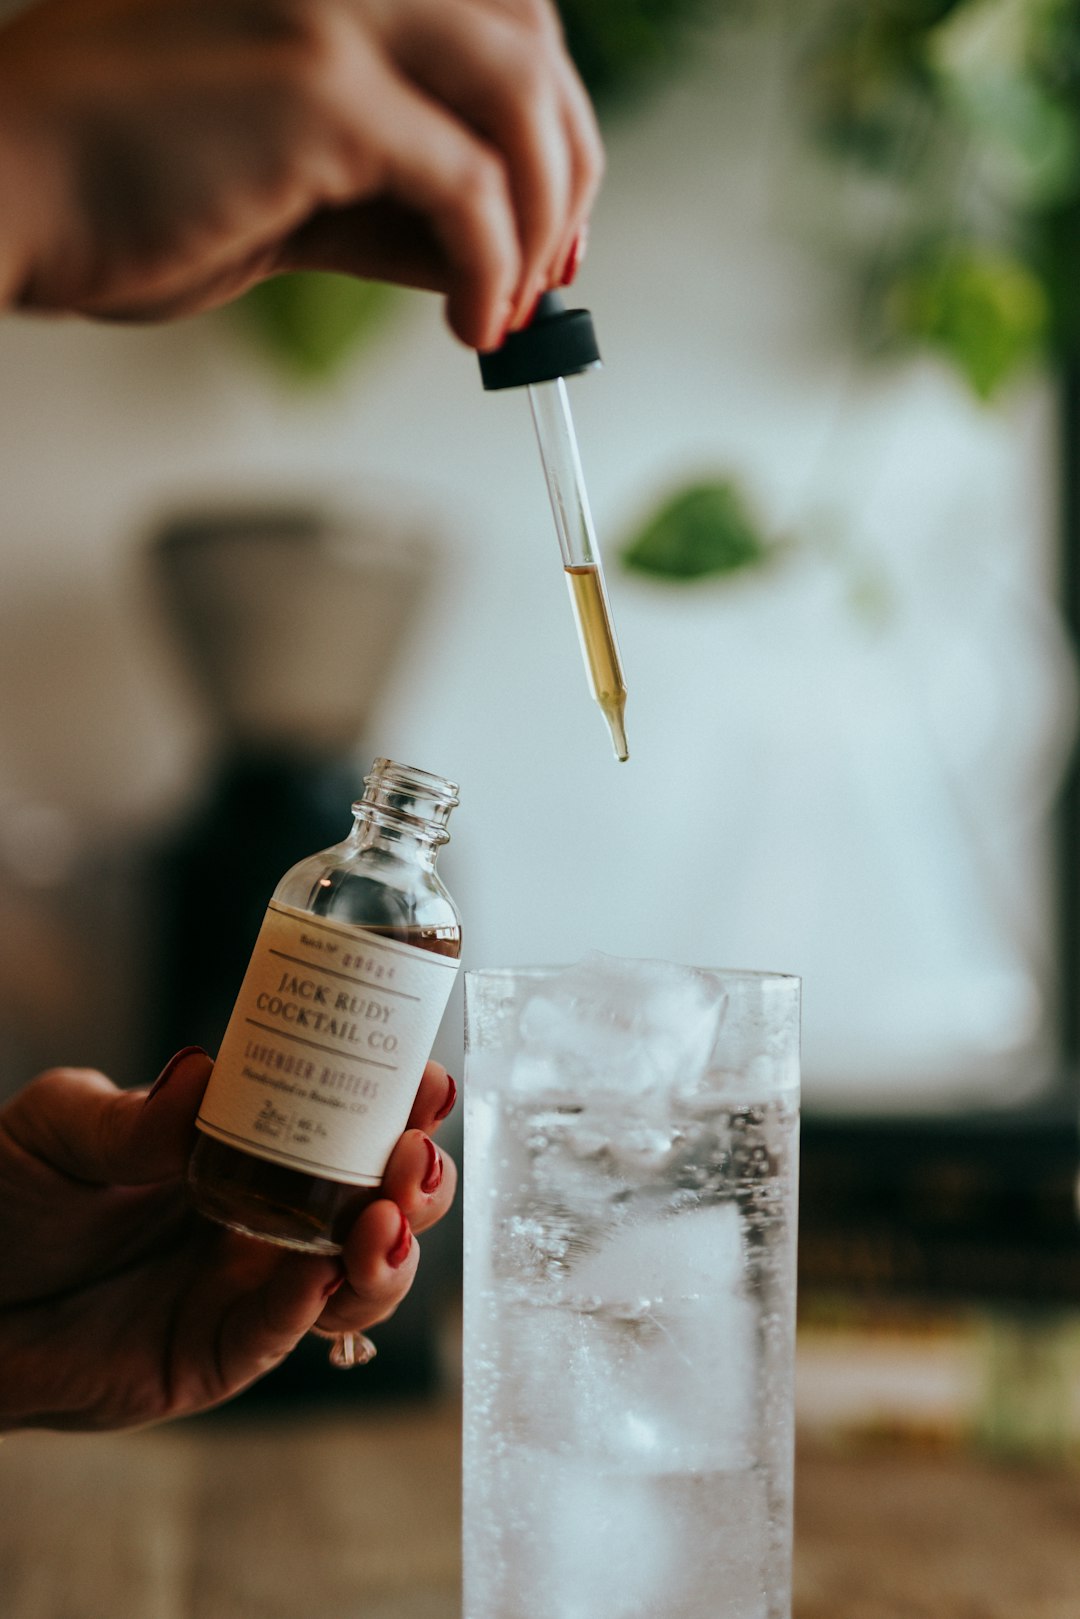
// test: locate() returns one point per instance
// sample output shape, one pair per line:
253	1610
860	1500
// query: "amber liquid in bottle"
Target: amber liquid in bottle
286	1205
370	893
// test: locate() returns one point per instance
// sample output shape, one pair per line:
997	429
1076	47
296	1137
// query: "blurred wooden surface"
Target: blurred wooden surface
356	1517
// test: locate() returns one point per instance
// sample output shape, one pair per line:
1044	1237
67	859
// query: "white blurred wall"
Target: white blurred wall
807	790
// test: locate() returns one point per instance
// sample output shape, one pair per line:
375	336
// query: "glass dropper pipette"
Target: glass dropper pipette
558	343
580	553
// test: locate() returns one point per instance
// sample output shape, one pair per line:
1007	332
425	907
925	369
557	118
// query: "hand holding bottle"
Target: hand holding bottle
158	157
119	1306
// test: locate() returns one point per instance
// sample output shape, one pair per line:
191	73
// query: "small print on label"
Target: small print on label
326	1046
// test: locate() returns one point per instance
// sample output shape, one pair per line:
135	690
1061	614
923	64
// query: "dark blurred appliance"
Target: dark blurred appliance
293	626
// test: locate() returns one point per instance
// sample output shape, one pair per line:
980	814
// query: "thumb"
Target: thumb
78	1123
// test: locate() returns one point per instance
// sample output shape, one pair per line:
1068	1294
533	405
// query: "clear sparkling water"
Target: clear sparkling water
629	1326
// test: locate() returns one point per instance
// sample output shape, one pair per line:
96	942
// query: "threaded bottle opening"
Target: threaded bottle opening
409	799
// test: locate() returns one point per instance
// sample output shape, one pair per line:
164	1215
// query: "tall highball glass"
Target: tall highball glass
630	1227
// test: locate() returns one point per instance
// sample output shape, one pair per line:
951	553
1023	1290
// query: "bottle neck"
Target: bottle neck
404	812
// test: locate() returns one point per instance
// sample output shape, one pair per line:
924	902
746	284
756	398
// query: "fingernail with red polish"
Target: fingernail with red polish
171	1066
433	1177
451	1098
574	258
399	1253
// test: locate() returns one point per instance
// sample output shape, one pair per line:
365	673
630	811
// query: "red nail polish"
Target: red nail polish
399	1253
433	1178
170	1068
451	1098
574	258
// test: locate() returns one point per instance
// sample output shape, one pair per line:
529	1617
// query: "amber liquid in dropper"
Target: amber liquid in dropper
600	648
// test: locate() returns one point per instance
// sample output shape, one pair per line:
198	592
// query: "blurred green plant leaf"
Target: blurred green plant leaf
1031	136
1054	47
971	110
704	531
311	323
988	58
981	308
983	36
870	90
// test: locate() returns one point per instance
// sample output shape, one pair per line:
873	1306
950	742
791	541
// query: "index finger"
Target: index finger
434	1099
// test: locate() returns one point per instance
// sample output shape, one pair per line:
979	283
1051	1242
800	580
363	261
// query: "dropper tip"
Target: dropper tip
618	734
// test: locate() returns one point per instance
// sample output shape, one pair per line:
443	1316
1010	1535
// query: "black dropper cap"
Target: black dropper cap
558	342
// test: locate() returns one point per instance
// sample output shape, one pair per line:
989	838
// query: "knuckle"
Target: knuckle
315	40
538	18
527	69
54	1083
595	156
48	1081
482	181
589	151
485	215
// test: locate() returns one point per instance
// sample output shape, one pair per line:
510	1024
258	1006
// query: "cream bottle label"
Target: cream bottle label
326	1046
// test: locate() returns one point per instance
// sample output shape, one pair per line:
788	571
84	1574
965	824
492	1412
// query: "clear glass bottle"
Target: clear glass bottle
333	1024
